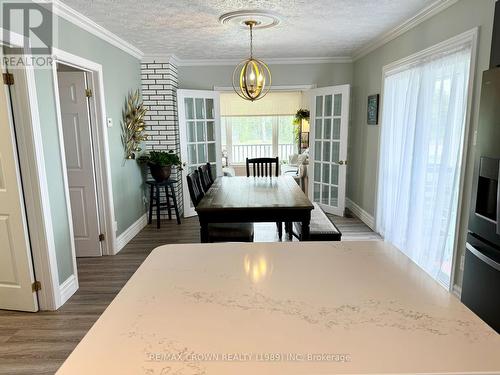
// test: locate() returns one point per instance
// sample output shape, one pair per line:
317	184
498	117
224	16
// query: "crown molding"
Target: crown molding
269	61
160	58
69	14
426	13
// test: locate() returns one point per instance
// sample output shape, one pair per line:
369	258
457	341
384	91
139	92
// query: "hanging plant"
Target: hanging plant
302	114
133	125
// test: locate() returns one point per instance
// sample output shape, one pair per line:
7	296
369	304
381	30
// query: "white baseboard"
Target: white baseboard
130	233
364	216
67	289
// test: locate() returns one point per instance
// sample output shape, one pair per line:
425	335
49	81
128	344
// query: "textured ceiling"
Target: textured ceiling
190	28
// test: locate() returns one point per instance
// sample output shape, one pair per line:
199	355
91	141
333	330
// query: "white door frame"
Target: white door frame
100	145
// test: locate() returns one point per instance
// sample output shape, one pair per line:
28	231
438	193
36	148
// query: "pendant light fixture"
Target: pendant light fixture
251	77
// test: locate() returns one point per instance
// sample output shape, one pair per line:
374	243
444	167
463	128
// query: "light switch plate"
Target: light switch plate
110	122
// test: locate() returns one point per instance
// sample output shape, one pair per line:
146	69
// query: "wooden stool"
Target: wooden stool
154	200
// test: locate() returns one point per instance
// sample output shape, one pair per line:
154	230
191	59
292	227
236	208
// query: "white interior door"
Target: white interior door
200	134
79	162
328	147
16	267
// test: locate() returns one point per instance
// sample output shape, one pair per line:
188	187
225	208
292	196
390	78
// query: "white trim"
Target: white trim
62	155
85	23
364	216
284	88
68	288
470	36
426	13
473	35
230	62
129	233
103	165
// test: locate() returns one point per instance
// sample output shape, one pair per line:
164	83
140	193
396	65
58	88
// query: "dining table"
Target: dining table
284	308
254	199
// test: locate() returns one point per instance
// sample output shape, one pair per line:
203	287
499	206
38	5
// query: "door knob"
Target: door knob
341	162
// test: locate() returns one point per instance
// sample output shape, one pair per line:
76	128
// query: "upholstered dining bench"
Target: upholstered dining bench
321	227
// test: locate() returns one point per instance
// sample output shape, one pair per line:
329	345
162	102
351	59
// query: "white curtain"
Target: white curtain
424	109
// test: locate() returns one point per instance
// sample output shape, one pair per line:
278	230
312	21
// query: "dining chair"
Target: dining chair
206	177
218	232
194	186
263	167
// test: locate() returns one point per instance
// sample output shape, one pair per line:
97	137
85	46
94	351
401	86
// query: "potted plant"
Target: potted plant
160	163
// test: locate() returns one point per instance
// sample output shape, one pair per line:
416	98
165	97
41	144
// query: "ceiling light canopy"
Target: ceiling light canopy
251	77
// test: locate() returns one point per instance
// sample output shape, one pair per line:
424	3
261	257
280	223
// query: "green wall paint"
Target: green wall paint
121	73
206	77
367	73
53	167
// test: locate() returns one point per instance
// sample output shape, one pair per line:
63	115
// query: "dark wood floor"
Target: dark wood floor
38	343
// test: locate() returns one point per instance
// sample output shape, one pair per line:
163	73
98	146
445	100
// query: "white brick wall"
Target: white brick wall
159	92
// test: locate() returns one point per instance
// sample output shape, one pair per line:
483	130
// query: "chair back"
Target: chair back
194	186
206	176
263	167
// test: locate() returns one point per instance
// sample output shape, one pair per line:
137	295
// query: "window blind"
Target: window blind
273	104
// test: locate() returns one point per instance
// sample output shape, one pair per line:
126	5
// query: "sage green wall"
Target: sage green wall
121	73
364	139
206	77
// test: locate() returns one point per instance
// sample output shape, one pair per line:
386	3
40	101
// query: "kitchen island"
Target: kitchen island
285	308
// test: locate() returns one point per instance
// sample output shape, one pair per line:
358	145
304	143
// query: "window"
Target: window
258	136
421	156
263	128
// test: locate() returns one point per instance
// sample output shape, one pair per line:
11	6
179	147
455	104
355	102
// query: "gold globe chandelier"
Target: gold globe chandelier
251	77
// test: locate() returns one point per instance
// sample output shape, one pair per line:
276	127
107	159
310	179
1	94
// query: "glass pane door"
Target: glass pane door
329	116
199	124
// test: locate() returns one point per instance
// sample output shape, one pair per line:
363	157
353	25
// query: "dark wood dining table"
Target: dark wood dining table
252	200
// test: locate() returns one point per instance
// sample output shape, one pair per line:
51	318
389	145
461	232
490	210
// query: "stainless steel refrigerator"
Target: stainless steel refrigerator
481	282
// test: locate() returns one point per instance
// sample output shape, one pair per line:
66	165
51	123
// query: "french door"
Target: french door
328	147
200	135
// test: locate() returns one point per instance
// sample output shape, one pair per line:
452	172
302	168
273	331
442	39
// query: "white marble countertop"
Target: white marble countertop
284	308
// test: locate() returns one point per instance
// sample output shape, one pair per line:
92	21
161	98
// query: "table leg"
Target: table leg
204	232
168	203
151	197
174	201
305	228
158	207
